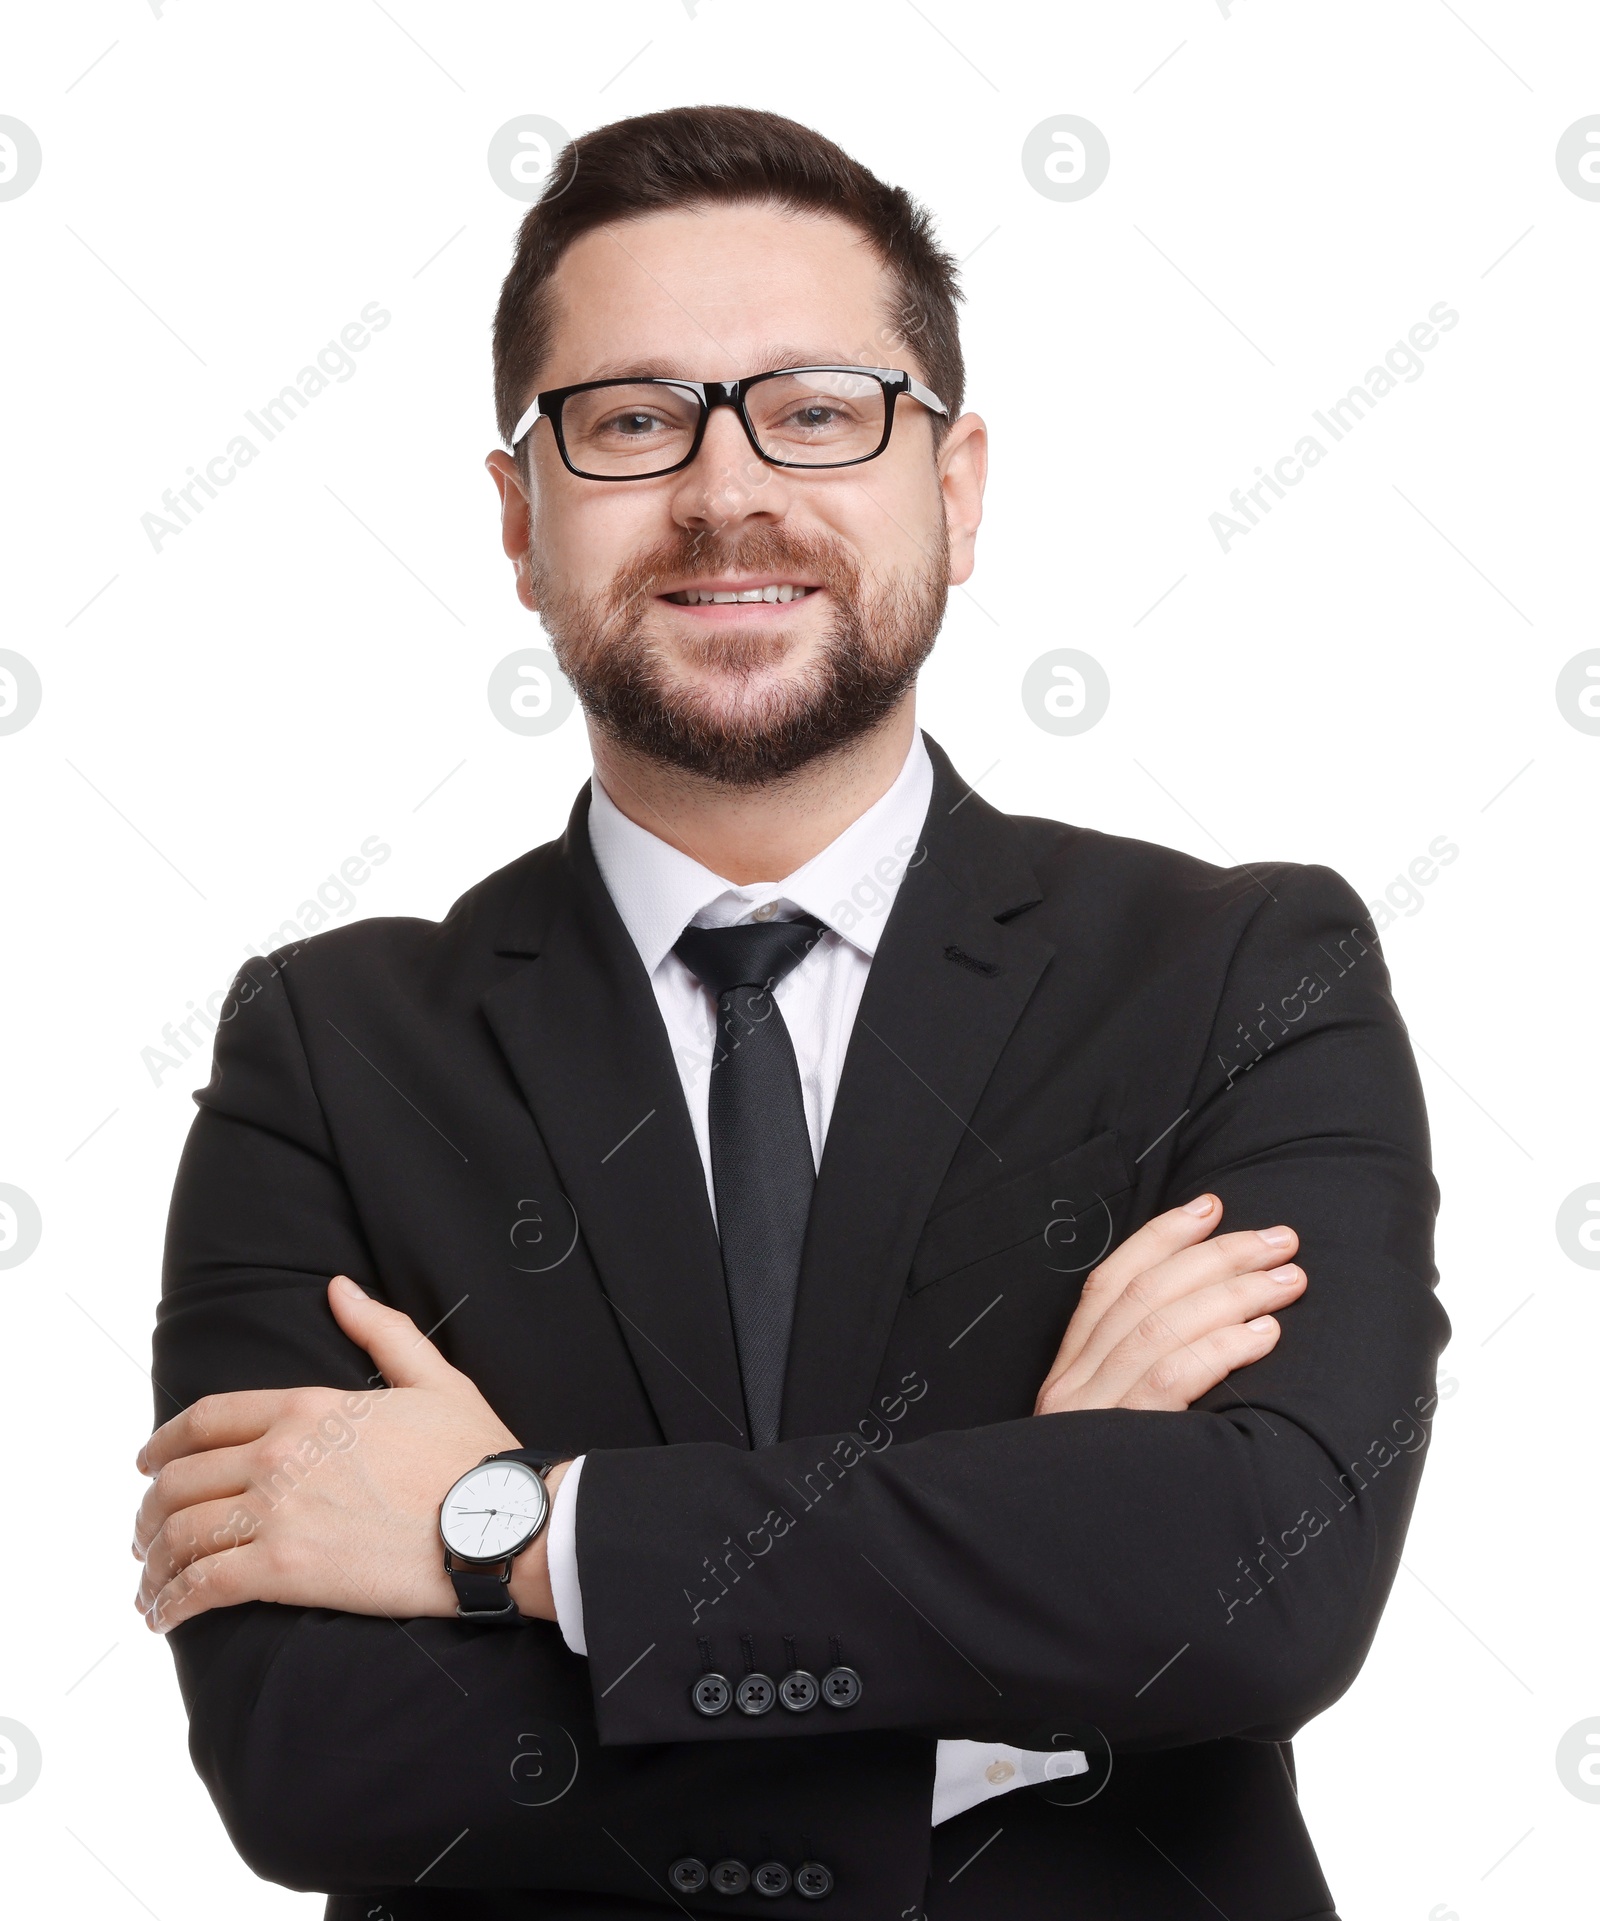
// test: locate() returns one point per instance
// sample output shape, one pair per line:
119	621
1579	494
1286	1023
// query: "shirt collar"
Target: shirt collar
850	886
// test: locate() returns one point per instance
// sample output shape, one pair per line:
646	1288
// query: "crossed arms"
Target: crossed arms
1151	1505
229	1516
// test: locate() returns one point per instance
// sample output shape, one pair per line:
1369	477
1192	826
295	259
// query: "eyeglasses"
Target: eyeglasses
793	417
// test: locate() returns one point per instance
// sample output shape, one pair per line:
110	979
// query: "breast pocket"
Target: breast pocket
1058	1219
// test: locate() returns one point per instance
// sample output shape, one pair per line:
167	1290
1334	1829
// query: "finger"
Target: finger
214	1475
1193	1275
217	1580
192	1535
1187	1271
1228	1302
216	1420
1161	1330
405	1356
1176	1383
1177	1228
1173	1384
1191	1318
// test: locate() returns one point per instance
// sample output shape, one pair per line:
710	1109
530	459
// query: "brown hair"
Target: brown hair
689	156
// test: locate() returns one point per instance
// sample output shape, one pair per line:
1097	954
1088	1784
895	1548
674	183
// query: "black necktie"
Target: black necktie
761	1166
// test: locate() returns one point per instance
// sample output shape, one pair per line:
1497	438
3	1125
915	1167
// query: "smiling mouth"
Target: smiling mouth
779	592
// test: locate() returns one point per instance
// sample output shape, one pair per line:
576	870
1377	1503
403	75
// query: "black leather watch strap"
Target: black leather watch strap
483	1594
541	1459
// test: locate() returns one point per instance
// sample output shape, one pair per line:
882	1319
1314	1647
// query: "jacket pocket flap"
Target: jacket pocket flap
1058	1205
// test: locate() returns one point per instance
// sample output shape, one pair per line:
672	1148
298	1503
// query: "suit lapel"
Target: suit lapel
948	983
579	1024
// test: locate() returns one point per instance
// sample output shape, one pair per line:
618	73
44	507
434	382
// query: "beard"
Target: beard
750	728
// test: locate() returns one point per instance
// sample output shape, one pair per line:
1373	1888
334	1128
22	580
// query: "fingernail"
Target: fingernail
1202	1204
347	1286
1284	1274
1276	1236
1262	1323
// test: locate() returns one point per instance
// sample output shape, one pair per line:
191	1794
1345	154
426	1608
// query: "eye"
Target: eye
816	416
635	424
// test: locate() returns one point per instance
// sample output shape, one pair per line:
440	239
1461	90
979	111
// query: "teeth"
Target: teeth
693	597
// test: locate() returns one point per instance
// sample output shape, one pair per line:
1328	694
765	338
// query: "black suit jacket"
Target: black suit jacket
1063	1034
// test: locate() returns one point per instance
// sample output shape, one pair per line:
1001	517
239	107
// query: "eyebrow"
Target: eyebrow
773	360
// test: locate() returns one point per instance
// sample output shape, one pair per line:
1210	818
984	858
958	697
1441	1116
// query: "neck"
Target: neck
749	834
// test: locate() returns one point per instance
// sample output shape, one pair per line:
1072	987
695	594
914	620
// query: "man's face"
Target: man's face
741	692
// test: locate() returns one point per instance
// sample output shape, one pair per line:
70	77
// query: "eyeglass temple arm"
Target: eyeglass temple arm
925	397
524	425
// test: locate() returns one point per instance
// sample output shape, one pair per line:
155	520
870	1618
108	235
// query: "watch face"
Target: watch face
493	1510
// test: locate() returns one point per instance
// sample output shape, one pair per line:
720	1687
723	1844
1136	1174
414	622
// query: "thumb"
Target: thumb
406	1356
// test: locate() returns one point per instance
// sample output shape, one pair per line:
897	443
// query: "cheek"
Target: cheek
582	541
583	531
892	520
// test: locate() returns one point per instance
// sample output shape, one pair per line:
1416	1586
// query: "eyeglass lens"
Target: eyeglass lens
820	418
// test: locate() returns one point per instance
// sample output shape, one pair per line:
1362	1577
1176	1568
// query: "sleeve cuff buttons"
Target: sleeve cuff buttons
757	1693
811	1880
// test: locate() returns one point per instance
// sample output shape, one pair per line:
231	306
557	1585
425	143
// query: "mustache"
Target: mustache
760	550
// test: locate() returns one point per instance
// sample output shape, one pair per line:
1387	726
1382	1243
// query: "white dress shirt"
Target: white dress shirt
850	887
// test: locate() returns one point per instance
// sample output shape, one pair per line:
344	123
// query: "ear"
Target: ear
963	466
515	519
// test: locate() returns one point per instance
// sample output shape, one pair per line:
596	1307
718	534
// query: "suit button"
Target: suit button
771	1878
712	1695
730	1877
798	1690
841	1687
755	1694
688	1876
813	1881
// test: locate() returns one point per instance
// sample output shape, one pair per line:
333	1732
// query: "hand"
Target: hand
1169	1314
316	1497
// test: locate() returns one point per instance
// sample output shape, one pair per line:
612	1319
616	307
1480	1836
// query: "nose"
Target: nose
727	484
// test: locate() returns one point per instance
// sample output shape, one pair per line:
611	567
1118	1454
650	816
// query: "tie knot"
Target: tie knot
759	955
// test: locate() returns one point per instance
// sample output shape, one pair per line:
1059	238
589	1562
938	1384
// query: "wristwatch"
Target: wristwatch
489	1516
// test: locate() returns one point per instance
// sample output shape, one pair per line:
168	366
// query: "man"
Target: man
865	1220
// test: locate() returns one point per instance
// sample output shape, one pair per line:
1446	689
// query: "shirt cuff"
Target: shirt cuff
968	1772
561	1553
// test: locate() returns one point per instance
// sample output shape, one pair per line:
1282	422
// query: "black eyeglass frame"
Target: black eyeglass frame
894	381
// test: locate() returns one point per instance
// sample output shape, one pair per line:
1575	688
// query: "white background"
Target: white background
226	720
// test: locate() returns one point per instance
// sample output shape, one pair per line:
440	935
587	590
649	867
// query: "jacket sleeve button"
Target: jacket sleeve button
755	1694
798	1690
712	1694
813	1881
771	1878
688	1876
841	1687
730	1877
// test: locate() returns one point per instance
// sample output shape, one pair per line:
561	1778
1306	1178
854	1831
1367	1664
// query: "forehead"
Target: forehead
715	292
